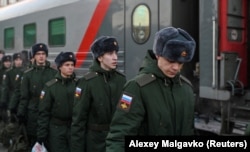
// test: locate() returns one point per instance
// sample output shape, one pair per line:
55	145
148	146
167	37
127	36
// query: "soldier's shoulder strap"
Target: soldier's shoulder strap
51	82
76	79
186	80
145	79
8	70
28	70
90	75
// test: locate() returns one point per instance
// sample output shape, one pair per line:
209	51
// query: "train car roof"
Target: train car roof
29	6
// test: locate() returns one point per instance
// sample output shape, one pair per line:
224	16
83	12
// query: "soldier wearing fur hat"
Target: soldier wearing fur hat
56	105
96	97
32	83
11	82
158	101
6	65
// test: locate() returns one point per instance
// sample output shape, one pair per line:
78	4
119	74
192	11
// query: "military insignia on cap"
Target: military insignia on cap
125	102
41	46
115	43
78	92
70	56
42	94
183	53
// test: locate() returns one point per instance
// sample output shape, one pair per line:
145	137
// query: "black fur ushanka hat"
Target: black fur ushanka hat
174	44
104	44
39	47
63	57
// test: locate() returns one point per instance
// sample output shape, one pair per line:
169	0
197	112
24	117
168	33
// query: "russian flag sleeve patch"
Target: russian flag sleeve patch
78	92
42	94
125	102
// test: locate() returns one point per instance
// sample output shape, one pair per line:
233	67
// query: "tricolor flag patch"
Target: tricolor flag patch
42	94
17	76
4	76
78	92
125	102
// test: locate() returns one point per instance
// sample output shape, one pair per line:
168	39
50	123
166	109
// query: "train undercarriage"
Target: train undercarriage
224	117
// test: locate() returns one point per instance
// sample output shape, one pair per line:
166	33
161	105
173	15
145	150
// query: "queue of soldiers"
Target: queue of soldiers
96	112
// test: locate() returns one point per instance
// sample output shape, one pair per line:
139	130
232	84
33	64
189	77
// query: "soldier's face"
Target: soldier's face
108	60
18	62
67	69
40	57
7	64
169	68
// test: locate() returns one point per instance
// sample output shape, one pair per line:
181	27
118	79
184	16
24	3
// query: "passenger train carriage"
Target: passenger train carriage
219	71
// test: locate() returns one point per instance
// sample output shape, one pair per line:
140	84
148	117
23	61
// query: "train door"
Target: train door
223	59
232	40
141	23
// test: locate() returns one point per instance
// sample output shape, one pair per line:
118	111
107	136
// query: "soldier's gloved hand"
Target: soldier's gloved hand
41	140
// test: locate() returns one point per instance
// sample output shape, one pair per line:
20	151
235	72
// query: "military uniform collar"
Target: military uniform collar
58	76
150	66
47	64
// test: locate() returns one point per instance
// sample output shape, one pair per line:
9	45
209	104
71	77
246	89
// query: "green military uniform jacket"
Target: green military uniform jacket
96	97
2	72
11	81
55	109
152	104
32	83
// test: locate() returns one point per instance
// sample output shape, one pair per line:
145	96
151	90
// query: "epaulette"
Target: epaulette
186	80
8	70
90	75
51	82
28	70
76	79
119	72
145	79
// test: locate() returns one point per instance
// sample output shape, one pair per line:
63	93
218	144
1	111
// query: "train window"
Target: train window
141	24
4	3
9	38
235	21
8	2
29	35
57	30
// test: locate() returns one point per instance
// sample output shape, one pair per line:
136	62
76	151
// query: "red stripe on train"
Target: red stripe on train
91	32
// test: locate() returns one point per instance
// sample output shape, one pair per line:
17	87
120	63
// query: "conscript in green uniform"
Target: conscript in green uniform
6	65
56	105
158	101
96	97
11	82
32	83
